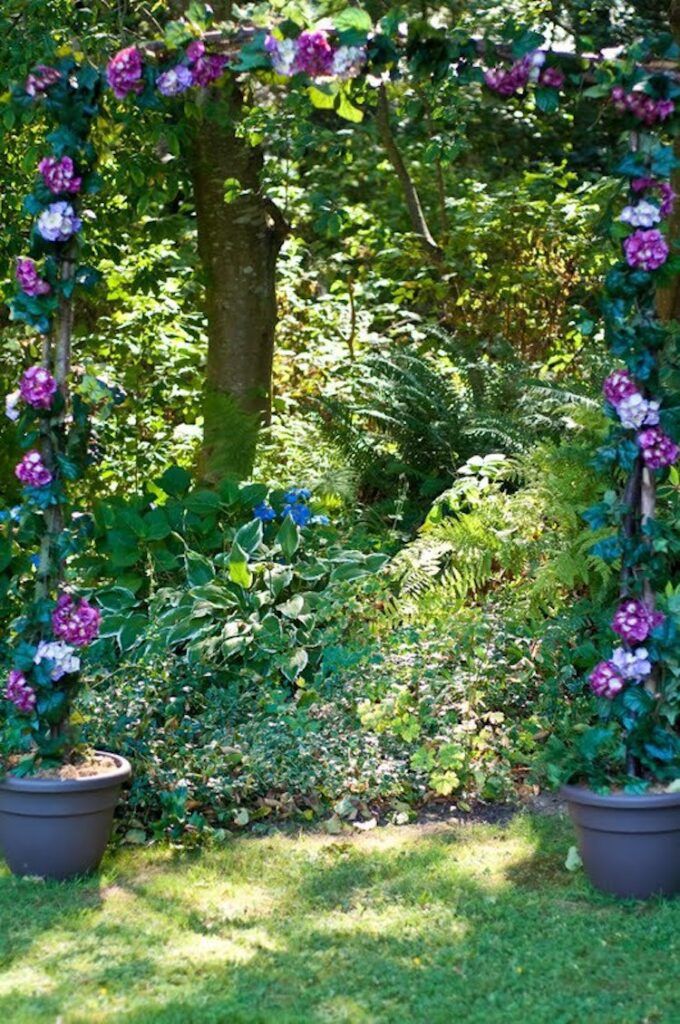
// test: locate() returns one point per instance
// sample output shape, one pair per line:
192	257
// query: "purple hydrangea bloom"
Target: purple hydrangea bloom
32	471
205	67
645	108
38	387
60	175
646	250
29	280
632	664
617	386
606	680
664	188
174	81
208	69
552	77
40	79
658	449
314	54
59	222
195	50
124	72
19	692
508	81
634	621
77	624
264	512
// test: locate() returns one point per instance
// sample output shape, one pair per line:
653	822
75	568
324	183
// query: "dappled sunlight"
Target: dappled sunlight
403	924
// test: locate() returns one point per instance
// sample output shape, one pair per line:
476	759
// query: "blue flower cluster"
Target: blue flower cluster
294	505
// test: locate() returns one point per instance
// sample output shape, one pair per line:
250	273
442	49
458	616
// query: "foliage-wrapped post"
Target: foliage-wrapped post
635	683
57	362
54	426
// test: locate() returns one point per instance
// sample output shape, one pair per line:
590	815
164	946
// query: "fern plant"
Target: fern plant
421	415
485	531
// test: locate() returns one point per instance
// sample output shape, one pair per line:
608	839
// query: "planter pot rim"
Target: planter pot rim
634	801
116	776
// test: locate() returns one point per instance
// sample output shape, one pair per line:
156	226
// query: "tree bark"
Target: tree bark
238	242
414	206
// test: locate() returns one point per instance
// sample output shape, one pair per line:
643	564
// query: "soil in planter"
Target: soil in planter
83	768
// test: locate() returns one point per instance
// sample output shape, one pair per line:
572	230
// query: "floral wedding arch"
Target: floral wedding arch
637	681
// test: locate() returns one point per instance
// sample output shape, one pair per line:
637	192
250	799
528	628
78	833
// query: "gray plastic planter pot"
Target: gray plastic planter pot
58	828
630	845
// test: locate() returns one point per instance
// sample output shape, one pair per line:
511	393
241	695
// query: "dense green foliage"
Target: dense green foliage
433	639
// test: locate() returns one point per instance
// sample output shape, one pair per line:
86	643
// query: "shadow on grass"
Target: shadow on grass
455	925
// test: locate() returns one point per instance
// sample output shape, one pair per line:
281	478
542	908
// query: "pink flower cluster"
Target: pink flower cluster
38	387
32	471
40	79
606	680
124	72
205	67
617	386
658	449
314	54
60	175
508	81
19	692
664	188
634	621
646	250
553	78
77	624
29	280
645	108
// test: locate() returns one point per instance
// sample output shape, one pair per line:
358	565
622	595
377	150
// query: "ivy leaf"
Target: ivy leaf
547	100
177	33
353	18
347	110
323	99
175	481
527	42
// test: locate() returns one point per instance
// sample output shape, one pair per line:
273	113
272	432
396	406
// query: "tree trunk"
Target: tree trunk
240	233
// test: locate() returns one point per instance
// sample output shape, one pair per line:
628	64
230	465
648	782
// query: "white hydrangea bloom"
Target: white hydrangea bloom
65	660
11	405
635	412
282	53
348	61
643	215
632	664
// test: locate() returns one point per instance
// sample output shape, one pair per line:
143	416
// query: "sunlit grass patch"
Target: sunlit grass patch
477	923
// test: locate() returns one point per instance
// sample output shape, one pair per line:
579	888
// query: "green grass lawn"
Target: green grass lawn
475	924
